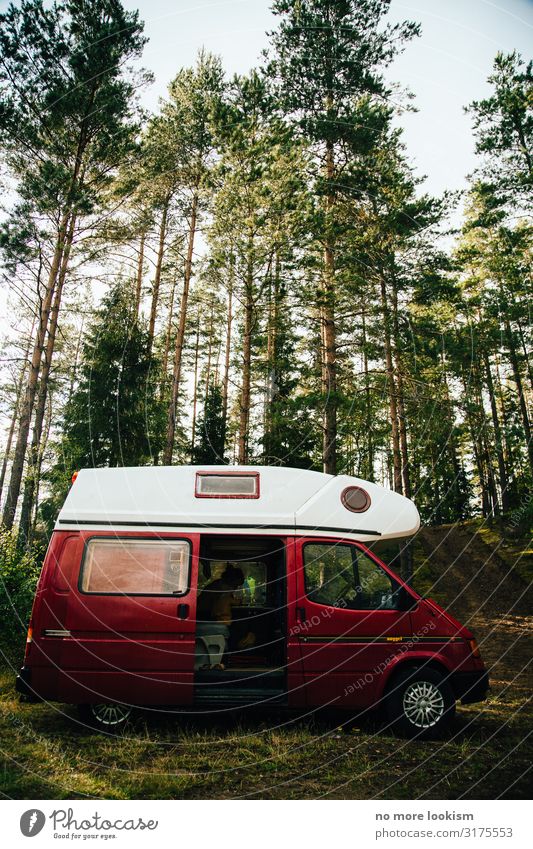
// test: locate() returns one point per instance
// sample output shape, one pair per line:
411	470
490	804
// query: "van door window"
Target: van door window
339	575
329	574
377	589
135	567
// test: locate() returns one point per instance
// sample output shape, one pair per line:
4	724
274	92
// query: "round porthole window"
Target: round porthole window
356	499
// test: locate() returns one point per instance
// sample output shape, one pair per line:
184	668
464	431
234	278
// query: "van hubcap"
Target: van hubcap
110	714
423	704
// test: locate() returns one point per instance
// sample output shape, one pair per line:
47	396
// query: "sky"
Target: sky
446	68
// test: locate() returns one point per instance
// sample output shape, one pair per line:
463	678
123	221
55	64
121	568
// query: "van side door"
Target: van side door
131	619
350	625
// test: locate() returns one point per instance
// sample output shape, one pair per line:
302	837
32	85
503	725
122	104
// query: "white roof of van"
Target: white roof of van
294	501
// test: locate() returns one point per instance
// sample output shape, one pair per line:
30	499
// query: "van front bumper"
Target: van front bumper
471	686
24	688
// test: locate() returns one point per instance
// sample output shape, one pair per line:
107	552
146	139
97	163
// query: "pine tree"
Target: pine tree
114	416
503	130
211	430
194	96
256	216
328	57
65	122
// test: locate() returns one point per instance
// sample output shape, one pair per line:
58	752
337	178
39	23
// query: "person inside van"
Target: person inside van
214	606
218	597
215	603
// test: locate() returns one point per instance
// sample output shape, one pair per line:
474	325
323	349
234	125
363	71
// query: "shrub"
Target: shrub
19	572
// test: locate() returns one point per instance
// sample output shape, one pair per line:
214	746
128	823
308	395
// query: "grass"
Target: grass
517	552
47	754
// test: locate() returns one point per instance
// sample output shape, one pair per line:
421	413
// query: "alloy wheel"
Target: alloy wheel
423	704
110	714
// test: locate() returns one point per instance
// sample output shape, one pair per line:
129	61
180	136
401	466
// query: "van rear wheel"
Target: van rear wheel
106	716
421	704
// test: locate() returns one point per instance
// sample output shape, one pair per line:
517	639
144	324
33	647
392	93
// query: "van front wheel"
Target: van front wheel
106	716
421	704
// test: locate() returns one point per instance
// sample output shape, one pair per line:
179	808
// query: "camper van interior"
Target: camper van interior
252	650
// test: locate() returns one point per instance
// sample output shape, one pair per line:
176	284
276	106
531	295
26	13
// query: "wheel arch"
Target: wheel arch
410	664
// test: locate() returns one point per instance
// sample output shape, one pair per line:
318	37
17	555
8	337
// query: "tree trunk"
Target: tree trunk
452	443
520	389
508	452
329	381
139	278
42	449
14	417
195	395
275	298
74	371
244	406
368	471
497	435
26	410
209	350
157	275
525	352
30	485
227	353
180	336
389	367
402	426
168	336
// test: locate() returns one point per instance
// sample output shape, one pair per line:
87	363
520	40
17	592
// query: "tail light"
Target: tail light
474	648
29	640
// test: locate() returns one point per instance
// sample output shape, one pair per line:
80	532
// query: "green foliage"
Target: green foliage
211	430
114	416
19	572
73	96
503	129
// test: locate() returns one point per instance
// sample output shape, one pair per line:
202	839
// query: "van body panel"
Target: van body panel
390	515
288	501
133	687
295	670
428	607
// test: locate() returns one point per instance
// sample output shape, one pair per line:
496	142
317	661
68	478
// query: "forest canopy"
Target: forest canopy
255	273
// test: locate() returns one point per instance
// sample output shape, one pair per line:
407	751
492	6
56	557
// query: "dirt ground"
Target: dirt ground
479	584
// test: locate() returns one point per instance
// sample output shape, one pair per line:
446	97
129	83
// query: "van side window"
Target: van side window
329	574
135	567
340	575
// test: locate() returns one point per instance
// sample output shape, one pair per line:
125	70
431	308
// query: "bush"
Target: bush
19	572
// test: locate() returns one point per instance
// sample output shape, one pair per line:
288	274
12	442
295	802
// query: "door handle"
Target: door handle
183	611
300	614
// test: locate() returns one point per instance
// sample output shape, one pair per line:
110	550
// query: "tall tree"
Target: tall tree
256	215
194	96
114	416
503	130
328	58
210	429
65	122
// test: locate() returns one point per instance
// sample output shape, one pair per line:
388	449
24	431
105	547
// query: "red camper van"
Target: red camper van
233	586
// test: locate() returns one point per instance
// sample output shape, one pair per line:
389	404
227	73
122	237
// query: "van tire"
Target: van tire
110	717
420	703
